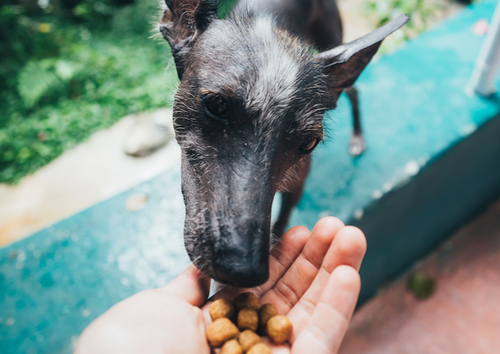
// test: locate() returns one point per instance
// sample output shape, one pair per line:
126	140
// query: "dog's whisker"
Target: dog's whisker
295	254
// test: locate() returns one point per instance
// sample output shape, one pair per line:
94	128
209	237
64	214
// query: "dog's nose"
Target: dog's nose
232	269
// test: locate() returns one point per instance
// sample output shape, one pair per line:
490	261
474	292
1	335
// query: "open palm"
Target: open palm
313	280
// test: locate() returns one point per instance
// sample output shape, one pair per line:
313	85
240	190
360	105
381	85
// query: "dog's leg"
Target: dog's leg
357	144
291	197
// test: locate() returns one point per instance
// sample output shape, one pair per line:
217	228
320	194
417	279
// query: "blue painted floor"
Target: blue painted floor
55	282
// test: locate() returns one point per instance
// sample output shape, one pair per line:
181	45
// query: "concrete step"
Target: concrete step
93	171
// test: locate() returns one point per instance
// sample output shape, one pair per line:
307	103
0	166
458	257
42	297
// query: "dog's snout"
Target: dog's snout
234	268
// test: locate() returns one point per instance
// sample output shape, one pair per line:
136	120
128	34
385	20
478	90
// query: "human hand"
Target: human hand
313	280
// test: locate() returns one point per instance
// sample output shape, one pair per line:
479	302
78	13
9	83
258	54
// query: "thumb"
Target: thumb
192	286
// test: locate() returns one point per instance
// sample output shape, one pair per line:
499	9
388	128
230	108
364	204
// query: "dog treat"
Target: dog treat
248	319
226	334
246	301
248	339
231	347
279	329
265	313
221	308
221	331
260	348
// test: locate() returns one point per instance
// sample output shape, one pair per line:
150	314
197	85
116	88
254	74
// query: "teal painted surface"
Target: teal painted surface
408	223
413	108
55	282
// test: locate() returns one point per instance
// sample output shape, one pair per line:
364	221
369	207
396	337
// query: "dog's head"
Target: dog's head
248	109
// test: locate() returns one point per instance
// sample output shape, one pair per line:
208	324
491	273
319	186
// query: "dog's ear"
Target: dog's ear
182	22
344	64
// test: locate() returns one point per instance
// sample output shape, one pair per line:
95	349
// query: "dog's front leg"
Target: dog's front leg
292	187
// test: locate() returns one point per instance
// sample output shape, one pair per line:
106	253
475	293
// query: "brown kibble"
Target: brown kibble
265	313
221	331
221	308
260	348
231	347
279	329
246	301
248	339
248	319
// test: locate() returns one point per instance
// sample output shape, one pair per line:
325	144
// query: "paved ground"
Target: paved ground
81	177
461	317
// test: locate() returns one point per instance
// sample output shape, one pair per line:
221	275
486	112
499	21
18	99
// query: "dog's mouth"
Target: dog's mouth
233	271
228	238
239	259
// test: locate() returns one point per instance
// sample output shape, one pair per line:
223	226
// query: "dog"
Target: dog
248	113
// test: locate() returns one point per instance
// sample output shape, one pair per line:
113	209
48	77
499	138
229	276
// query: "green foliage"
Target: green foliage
36	79
65	75
421	13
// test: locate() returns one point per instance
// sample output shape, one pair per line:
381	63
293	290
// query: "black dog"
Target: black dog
247	115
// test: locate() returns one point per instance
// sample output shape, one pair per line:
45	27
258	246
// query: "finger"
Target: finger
348	248
281	258
277	348
292	286
331	317
192	286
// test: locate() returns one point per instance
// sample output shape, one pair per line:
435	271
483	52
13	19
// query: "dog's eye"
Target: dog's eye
216	106
308	145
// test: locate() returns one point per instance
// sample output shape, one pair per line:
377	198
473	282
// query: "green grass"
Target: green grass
93	77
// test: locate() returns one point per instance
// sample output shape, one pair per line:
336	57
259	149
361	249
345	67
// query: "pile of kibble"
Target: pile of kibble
236	324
